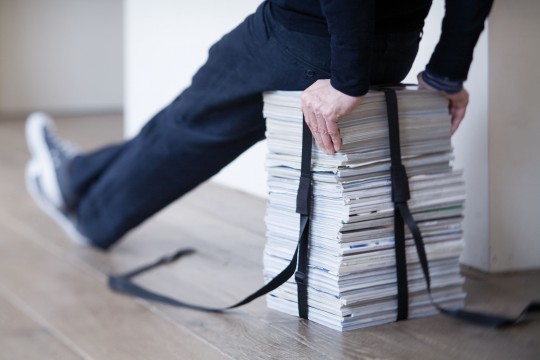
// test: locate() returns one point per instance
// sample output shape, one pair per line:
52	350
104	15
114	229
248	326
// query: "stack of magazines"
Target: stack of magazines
352	272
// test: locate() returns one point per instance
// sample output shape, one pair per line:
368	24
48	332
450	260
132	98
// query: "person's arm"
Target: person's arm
351	28
450	62
461	27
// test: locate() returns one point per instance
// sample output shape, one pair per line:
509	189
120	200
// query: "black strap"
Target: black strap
303	207
402	214
123	283
400	195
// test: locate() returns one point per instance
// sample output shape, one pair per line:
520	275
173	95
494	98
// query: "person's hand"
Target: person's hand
322	106
457	106
457	103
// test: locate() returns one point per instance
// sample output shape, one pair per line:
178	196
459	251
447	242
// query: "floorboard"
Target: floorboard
18	329
54	299
76	303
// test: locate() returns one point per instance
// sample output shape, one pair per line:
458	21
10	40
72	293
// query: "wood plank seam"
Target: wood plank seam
19	303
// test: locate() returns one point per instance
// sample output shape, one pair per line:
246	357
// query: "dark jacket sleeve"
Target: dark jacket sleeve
462	24
351	28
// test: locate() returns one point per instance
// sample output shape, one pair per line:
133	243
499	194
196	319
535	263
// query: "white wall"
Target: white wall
514	135
470	141
61	55
497	144
471	151
166	42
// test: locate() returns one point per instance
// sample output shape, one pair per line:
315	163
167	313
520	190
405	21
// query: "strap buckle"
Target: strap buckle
400	184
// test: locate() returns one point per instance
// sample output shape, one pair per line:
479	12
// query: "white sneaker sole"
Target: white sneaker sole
39	150
32	176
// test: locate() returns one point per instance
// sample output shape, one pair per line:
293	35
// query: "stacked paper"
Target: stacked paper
352	275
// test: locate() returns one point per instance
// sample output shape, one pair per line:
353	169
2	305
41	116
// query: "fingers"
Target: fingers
326	139
322	106
458	103
322	124
325	131
458	114
331	122
311	121
331	137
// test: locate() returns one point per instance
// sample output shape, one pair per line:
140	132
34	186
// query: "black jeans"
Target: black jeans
212	122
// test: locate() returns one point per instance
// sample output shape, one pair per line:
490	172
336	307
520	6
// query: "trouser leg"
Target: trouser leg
86	169
217	118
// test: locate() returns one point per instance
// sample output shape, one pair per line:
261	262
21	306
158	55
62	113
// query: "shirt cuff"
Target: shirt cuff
441	83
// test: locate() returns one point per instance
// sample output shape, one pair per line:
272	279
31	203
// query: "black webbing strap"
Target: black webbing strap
123	283
400	196
303	207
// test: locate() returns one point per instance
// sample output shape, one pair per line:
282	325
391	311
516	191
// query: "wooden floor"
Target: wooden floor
54	303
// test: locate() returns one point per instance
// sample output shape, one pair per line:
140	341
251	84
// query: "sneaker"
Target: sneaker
53	156
65	219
